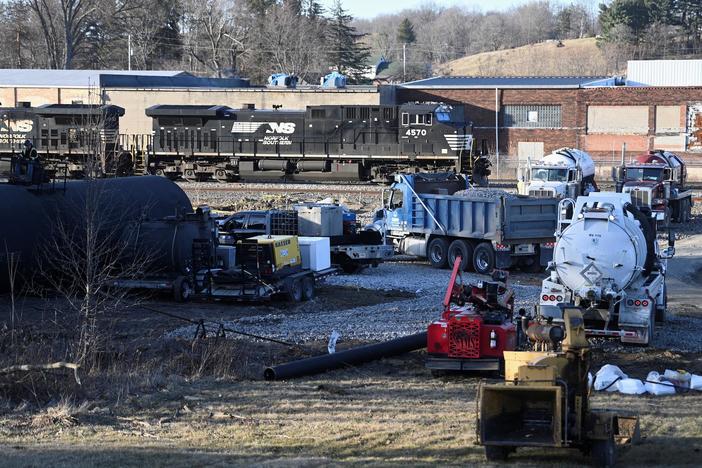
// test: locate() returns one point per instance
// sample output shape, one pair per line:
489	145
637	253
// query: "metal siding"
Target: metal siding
665	72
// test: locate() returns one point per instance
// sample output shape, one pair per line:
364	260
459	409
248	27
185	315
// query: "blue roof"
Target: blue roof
178	81
504	82
113	78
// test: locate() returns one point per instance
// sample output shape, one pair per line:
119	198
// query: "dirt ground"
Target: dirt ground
217	410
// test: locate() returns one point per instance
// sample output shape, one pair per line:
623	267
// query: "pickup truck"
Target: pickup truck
435	216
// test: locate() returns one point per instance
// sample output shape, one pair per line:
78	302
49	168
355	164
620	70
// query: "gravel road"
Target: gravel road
370	322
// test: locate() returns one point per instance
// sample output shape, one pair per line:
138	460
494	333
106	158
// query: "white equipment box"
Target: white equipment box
315	253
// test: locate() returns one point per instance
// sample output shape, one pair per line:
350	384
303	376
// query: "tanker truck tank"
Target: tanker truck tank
607	261
30	217
566	172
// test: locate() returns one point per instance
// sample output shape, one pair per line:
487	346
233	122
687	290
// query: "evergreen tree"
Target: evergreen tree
405	33
634	14
346	52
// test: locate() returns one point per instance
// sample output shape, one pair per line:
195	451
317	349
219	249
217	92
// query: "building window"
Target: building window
531	116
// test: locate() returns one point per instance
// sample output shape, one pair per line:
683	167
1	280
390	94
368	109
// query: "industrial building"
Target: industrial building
526	117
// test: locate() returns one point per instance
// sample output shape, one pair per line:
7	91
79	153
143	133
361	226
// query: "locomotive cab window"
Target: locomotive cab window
405	119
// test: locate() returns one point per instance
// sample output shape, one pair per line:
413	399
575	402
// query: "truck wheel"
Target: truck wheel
496	452
461	248
438	252
295	290
661	309
484	258
307	288
651	327
350	266
182	289
532	265
604	452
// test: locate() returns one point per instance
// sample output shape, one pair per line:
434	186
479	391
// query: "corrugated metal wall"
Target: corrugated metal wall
665	72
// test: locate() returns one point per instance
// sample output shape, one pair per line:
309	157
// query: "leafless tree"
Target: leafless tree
92	243
214	32
66	24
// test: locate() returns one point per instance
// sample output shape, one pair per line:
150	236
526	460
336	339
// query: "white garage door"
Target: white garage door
533	150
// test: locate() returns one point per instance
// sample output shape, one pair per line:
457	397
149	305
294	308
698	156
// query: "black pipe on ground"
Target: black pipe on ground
350	357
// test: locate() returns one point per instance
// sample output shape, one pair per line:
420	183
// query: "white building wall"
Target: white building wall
665	72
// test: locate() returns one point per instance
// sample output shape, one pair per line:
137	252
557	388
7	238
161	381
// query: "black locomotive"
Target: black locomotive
70	138
356	142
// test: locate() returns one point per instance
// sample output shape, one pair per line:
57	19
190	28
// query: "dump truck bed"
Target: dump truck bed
500	219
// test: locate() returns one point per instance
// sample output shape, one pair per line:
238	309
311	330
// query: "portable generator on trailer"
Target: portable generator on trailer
476	326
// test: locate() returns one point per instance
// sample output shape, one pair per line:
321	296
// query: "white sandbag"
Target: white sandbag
680	378
654	388
607	376
696	382
631	386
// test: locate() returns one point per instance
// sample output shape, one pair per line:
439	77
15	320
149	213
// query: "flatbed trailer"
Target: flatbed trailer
218	284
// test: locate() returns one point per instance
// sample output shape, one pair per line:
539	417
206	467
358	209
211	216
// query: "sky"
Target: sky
370	8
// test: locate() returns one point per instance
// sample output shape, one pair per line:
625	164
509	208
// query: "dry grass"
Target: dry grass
65	413
577	57
386	413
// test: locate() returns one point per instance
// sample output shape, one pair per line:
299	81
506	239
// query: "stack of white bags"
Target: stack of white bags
612	379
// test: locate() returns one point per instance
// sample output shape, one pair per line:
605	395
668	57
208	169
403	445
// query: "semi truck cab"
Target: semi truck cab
565	173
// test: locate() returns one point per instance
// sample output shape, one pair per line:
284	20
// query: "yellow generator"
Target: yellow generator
269	256
544	401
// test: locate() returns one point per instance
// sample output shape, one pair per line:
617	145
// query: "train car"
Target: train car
74	138
354	142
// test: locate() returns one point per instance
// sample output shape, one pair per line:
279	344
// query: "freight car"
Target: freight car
340	142
74	138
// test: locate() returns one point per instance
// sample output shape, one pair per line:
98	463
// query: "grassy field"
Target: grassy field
576	57
387	413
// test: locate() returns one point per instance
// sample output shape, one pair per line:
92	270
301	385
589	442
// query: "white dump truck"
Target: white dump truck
607	261
567	172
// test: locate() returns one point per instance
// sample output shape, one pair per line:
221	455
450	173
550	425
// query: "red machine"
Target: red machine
475	327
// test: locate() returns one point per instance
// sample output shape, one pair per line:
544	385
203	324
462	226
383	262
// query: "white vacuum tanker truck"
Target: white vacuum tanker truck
607	261
567	172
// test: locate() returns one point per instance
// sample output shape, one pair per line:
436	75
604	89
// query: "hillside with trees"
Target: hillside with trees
254	38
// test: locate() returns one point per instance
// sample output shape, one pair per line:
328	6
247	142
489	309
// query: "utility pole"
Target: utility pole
129	52
404	62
